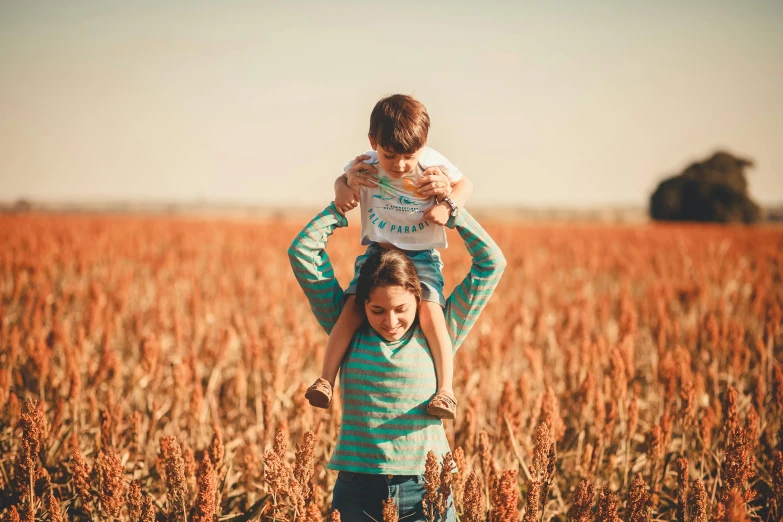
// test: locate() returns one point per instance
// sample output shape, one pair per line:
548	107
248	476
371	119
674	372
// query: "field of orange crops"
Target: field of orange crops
154	368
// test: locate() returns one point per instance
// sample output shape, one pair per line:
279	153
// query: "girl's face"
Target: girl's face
391	310
396	164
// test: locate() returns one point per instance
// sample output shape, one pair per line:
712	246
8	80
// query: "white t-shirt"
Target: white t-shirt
393	213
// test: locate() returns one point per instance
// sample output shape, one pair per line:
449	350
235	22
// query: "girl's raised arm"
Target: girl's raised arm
469	297
313	269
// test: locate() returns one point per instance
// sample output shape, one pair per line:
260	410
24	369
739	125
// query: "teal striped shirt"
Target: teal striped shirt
386	386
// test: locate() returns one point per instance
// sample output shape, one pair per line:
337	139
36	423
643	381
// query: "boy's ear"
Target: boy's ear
373	143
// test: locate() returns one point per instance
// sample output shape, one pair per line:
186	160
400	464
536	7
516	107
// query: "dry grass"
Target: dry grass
154	367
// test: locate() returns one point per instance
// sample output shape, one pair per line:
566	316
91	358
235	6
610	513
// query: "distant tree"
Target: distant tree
712	190
22	205
775	214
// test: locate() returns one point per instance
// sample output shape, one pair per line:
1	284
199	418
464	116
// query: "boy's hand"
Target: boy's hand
434	182
361	174
438	214
345	199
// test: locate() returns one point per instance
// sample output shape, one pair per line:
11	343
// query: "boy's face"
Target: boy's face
396	164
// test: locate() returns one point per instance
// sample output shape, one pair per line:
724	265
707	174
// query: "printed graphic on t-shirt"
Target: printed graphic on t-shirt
410	186
387	191
393	212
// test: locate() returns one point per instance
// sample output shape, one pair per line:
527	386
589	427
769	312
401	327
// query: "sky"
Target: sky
542	104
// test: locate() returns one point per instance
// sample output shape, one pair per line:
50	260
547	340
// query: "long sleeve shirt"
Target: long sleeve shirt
386	385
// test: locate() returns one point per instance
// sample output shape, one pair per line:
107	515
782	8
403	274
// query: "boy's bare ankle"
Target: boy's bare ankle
447	389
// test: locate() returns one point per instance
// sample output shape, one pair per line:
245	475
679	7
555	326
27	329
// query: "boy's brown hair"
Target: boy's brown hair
387	268
400	123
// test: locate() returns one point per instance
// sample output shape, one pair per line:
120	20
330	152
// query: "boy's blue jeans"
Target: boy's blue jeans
359	496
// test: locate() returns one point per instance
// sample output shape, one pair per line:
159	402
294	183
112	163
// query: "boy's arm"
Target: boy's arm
461	191
439	168
345	198
438	184
348	185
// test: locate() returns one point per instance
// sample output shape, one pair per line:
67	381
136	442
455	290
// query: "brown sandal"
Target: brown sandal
320	393
442	406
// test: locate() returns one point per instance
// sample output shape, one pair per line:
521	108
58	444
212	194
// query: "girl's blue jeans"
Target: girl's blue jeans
359	496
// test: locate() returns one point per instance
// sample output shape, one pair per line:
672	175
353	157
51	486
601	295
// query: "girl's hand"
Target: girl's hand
360	174
435	182
438	214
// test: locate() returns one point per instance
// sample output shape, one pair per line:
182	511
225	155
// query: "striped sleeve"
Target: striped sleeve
313	269
468	299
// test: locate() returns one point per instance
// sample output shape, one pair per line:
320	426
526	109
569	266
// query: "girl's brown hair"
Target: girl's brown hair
400	123
387	268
